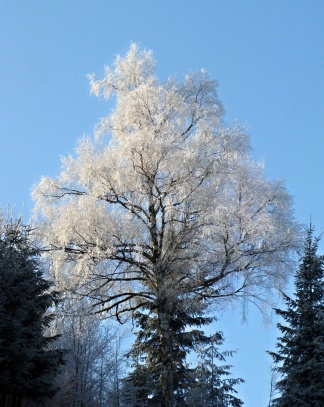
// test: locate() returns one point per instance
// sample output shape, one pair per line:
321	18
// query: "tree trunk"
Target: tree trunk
166	379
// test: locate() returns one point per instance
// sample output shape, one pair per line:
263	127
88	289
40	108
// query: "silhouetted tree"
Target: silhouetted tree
300	355
27	364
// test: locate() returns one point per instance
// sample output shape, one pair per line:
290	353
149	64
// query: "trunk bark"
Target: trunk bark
166	378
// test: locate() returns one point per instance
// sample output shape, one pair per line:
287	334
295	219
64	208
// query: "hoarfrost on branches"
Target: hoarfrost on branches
166	202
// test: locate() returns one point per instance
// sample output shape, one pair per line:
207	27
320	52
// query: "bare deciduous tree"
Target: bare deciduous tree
93	357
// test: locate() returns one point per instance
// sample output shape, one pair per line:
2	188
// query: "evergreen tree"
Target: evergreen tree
27	364
199	386
213	386
300	355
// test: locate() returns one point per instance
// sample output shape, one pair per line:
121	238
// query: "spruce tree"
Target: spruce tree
300	355
27	362
214	386
205	385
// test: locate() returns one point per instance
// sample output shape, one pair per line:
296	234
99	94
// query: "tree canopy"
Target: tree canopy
165	204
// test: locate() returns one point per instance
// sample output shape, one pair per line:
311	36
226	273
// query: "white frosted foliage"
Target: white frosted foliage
166	201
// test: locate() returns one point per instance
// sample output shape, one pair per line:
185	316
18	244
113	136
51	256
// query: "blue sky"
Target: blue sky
267	56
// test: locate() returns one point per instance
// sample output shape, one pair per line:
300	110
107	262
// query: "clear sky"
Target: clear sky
268	57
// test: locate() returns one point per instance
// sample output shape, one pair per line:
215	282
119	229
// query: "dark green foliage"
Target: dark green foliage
300	355
193	386
213	385
27	364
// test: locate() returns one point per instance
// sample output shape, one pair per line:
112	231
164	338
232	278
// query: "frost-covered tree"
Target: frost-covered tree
93	361
27	363
300	355
164	205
